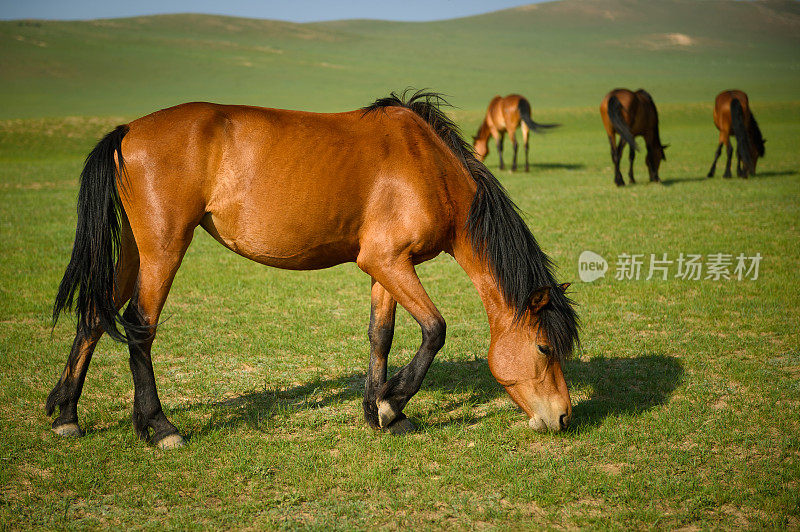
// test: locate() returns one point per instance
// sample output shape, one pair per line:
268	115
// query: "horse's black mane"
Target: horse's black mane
655	112
756	137
497	230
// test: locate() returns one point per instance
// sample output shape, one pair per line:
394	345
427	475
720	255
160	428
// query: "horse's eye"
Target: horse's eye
544	349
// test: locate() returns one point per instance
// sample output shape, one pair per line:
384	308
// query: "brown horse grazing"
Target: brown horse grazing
505	115
732	114
391	185
630	114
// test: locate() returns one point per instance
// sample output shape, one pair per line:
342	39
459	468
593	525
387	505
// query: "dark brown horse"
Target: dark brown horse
390	186
732	115
629	114
506	115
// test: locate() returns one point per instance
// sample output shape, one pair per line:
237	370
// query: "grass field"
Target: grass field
686	393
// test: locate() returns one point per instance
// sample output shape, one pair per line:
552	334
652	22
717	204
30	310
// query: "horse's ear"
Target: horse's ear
564	286
539	298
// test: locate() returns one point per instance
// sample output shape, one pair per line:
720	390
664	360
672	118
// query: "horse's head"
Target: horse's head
481	148
525	362
655	154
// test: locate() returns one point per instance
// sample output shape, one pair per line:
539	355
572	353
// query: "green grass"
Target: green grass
685	393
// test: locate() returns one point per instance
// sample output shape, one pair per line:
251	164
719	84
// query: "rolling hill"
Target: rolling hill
564	54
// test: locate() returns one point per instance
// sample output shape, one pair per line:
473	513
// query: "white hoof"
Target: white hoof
386	414
68	430
173	441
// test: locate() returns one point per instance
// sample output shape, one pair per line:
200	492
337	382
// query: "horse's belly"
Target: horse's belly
301	245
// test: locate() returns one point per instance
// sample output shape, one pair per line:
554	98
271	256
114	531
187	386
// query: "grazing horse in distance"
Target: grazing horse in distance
630	114
406	188
732	115
505	115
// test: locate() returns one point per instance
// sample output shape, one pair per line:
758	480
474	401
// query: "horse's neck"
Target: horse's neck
477	268
484	131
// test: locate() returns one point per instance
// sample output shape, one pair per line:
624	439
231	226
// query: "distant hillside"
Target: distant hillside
563	54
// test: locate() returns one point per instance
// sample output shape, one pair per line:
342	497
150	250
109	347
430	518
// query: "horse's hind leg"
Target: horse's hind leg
398	277
741	170
716	157
158	264
525	132
729	148
381	331
631	157
513	136
67	391
615	157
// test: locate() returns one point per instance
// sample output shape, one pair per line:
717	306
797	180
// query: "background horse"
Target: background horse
406	188
732	113
630	114
506	114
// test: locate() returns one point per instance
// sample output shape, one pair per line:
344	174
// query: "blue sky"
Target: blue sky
292	10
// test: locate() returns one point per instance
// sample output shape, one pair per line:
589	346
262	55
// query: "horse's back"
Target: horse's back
722	108
287	188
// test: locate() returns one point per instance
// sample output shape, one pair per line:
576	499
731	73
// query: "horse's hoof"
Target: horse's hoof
173	441
69	430
401	425
386	414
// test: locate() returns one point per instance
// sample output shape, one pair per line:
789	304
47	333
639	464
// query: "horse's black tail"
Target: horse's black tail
525	113
742	135
615	115
89	281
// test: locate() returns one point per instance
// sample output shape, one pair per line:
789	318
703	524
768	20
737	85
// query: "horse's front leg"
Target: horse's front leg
398	277
381	332
631	157
498	138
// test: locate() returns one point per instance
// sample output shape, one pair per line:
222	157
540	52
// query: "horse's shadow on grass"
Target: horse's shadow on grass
558	166
615	386
683	181
783	173
541	166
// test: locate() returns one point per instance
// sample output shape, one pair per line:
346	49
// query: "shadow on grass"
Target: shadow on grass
670	182
559	166
622	386
783	173
619	386
541	166
774	174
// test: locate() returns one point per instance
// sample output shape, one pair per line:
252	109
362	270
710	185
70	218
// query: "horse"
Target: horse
732	114
630	114
391	185
505	114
